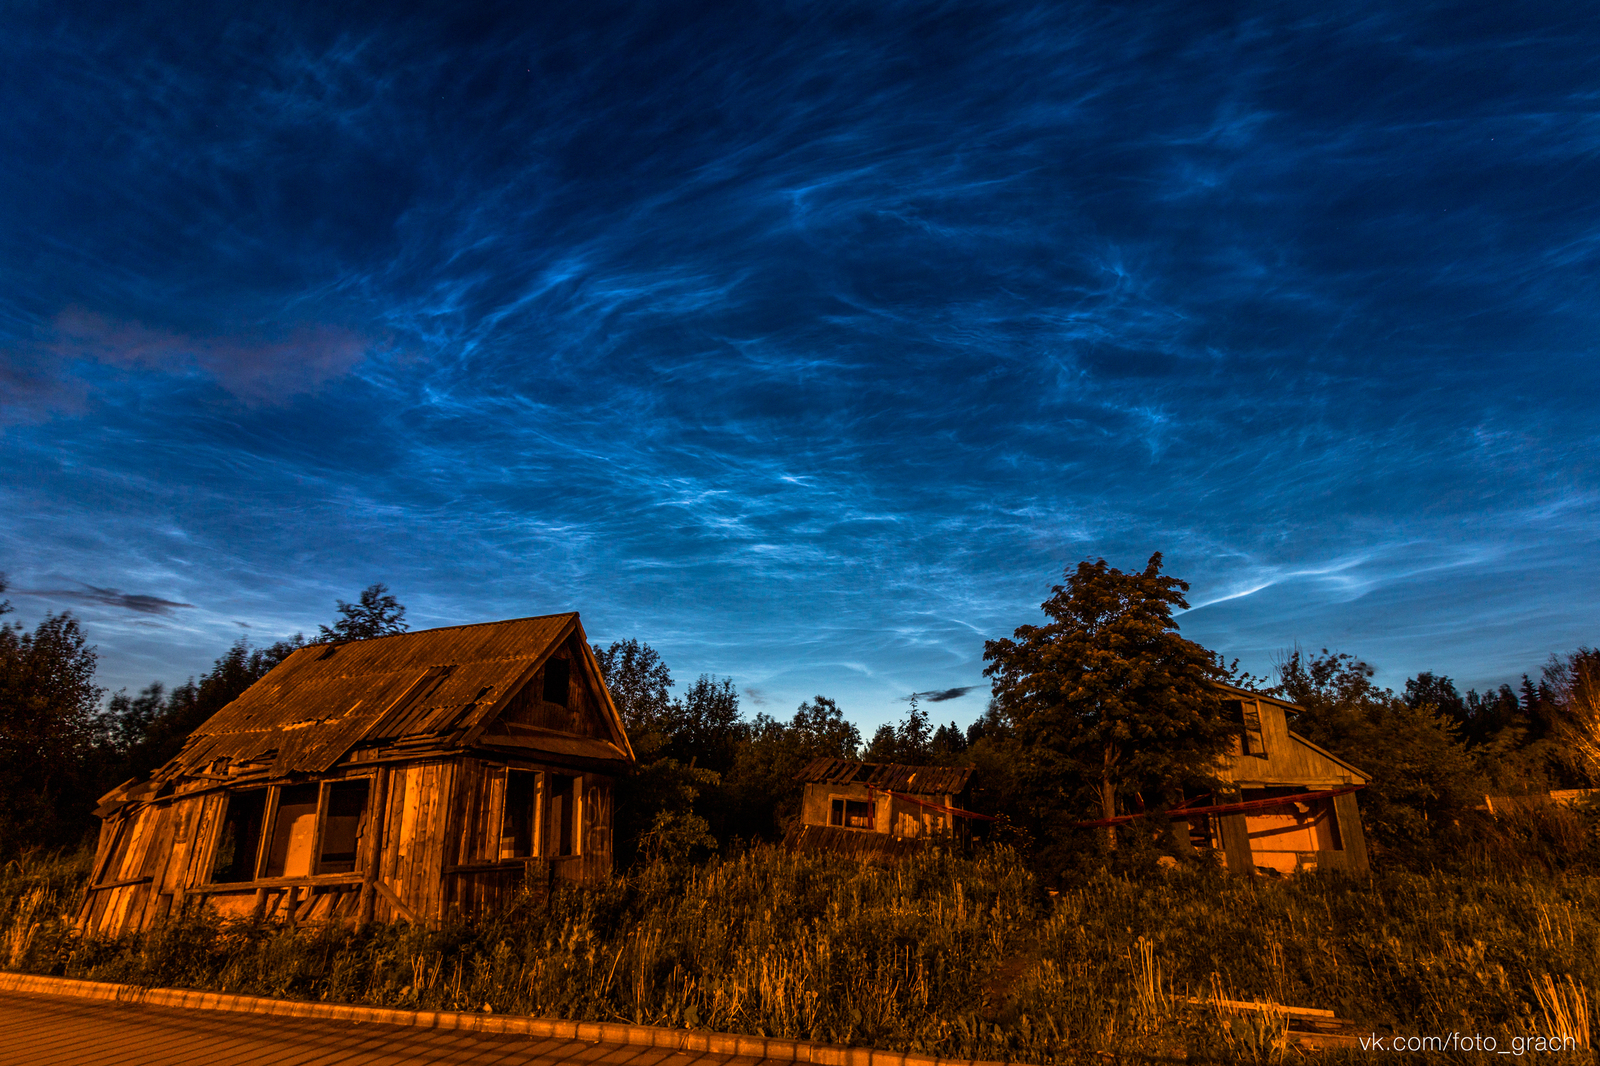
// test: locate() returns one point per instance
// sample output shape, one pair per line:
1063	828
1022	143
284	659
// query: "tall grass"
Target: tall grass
961	957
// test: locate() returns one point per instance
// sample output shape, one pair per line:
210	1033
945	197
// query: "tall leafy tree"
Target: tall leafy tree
375	614
820	728
1107	693
909	743
49	725
639	682
704	726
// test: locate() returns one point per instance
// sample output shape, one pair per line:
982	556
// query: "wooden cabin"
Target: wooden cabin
867	809
1269	762
393	778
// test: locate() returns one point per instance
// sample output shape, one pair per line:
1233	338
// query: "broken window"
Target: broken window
519	828
341	826
1247	715
557	675
563	815
852	814
241	837
294	825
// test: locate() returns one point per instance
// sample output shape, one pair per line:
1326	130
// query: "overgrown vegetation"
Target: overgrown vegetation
1048	943
963	957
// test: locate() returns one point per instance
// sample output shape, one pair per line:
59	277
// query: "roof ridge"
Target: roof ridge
440	629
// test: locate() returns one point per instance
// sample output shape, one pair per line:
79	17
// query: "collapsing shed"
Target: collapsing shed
379	779
1286	804
866	809
1297	801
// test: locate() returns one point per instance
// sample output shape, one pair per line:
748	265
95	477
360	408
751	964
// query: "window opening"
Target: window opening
341	826
1248	716
235	858
518	829
852	814
557	678
563	813
293	827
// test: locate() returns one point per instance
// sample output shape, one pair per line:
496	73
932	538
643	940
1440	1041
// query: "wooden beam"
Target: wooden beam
396	902
1348	818
124	883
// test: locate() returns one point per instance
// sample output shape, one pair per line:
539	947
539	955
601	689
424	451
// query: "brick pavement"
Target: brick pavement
40	1030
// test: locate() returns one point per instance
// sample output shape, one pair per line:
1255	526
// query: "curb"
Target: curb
516	1025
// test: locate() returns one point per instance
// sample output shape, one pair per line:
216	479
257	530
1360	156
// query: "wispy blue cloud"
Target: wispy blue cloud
807	344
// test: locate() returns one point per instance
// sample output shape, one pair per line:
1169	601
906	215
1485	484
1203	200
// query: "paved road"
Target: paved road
49	1030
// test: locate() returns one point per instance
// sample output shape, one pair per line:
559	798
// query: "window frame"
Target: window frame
269	824
844	812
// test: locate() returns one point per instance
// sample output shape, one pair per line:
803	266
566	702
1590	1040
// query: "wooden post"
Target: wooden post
1180	838
1236	843
1348	817
380	814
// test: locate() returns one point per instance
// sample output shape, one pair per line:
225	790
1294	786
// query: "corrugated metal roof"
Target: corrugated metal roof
891	777
321	701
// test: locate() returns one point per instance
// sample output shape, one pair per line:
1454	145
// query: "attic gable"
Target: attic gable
564	696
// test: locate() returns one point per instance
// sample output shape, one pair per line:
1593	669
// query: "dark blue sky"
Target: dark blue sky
806	342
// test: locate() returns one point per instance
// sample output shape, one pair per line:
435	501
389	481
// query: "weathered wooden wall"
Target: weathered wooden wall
431	840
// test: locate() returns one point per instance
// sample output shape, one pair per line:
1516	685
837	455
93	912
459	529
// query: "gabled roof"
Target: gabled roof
323	700
888	776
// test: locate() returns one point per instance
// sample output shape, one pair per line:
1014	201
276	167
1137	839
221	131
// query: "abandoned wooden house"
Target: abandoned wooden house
878	809
1294	804
382	779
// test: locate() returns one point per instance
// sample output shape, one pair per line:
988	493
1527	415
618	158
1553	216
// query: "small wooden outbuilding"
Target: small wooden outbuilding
868	809
1293	804
379	779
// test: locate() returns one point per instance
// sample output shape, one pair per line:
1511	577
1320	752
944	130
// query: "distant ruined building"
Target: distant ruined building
1295	806
379	779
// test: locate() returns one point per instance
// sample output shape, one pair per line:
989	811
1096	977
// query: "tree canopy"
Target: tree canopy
1107	693
375	614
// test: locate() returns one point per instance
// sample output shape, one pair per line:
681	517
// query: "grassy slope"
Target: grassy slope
959	957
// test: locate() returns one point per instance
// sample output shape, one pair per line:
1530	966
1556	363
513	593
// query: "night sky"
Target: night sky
806	342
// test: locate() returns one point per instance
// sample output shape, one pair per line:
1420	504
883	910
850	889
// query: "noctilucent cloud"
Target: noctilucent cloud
806	342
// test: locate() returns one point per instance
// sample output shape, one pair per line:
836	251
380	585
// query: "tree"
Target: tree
909	743
1575	683
1421	770
48	726
376	614
638	682
821	729
1107	692
704	726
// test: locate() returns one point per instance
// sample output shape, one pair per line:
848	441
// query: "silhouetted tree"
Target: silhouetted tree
1574	683
909	743
639	683
820	729
704	727
1107	692
1421	771
1440	693
48	730
949	744
375	614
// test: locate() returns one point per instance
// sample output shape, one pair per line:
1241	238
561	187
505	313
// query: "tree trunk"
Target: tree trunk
1108	797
